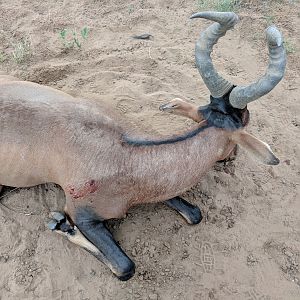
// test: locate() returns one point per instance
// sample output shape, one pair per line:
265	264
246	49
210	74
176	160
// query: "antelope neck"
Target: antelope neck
219	113
169	140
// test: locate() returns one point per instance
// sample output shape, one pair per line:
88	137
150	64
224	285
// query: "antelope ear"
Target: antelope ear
255	147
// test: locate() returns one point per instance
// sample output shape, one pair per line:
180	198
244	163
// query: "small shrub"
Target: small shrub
22	51
227	5
270	20
219	5
130	9
289	47
2	57
257	36
70	38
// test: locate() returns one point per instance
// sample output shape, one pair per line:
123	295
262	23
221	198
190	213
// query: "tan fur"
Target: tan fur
49	136
255	147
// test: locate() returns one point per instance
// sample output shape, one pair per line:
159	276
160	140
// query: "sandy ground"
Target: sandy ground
248	245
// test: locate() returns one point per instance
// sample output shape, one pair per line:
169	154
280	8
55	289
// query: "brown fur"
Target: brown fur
49	136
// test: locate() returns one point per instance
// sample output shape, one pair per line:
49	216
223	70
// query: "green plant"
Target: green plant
270	20
22	51
219	5
63	36
84	32
289	47
227	5
130	9
71	38
257	36
2	57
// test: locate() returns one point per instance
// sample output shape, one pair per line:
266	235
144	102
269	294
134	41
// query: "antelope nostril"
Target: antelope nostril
167	106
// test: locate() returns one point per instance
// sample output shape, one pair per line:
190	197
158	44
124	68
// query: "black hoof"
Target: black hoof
127	274
52	224
58	216
60	222
195	216
191	213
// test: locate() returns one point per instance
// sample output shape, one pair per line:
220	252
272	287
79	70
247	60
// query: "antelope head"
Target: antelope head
228	103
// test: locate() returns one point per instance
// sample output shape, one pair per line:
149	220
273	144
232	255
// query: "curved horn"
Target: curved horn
217	85
242	95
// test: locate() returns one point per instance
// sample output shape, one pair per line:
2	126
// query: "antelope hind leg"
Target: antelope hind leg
92	235
191	213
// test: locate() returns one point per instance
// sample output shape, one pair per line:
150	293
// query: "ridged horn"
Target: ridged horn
242	95
217	85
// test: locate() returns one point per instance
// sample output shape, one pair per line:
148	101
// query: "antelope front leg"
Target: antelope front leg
92	235
191	213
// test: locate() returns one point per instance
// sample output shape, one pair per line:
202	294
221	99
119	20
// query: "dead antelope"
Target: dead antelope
49	136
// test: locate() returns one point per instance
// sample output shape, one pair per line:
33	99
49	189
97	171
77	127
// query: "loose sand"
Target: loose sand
248	245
